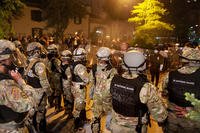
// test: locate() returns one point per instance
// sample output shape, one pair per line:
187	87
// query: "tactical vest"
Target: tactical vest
6	113
33	80
76	78
53	66
180	83
94	70
125	96
63	69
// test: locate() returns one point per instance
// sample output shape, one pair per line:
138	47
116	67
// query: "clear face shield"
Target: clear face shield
103	61
37	52
14	61
65	60
18	58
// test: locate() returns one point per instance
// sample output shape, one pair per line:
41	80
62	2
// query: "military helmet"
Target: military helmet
134	60
79	53
66	55
34	46
190	55
6	49
52	48
103	53
35	49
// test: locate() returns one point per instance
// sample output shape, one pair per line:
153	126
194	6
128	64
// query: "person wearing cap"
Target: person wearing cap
17	99
176	83
101	75
80	79
134	97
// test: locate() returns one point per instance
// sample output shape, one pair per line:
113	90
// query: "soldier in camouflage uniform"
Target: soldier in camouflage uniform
176	84
17	99
101	75
66	56
22	63
133	96
80	78
36	76
54	67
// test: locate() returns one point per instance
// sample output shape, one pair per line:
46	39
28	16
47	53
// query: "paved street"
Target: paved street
58	122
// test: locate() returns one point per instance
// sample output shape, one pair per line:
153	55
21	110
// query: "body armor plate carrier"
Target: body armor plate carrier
6	113
76	78
33	80
125	95
179	84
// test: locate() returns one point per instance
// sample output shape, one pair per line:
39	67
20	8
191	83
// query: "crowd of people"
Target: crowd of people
36	78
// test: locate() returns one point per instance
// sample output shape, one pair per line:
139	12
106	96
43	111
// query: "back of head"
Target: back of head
190	55
79	54
134	61
103	53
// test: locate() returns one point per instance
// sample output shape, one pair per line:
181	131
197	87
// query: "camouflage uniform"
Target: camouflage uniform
148	96
36	74
67	81
54	67
175	122
77	90
80	78
131	104
17	99
101	76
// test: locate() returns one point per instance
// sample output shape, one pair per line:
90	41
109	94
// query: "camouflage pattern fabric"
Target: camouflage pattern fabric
68	97
78	93
20	97
148	96
101	97
177	124
42	93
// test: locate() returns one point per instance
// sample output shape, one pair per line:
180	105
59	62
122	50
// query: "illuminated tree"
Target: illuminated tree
147	17
195	113
9	9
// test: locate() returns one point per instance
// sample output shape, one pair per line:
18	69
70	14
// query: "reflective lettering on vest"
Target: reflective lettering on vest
125	96
179	84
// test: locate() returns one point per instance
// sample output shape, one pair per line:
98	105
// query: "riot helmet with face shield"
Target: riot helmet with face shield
35	49
79	54
66	56
52	51
8	55
103	56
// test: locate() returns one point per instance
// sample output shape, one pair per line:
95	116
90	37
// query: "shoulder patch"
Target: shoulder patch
15	93
23	95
